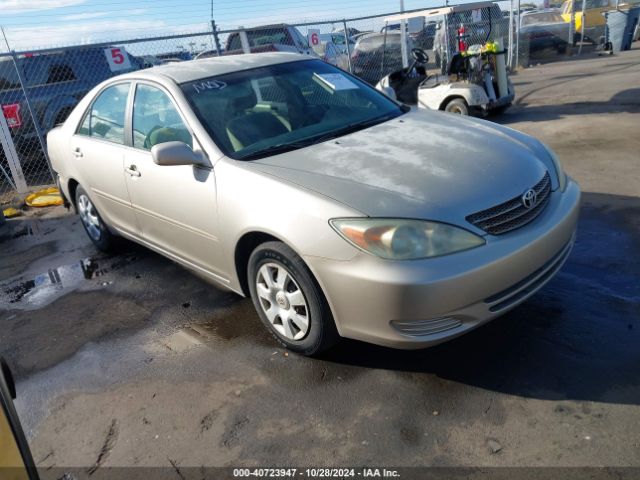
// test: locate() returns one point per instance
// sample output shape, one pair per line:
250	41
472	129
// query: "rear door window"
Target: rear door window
106	116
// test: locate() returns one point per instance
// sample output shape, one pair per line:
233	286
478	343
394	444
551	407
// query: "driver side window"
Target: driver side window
156	120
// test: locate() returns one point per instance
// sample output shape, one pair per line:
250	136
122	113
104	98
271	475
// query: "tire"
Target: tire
295	293
92	222
458	106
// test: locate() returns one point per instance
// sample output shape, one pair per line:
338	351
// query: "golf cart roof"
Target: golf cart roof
432	12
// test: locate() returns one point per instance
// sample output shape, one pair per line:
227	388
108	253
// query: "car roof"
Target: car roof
192	70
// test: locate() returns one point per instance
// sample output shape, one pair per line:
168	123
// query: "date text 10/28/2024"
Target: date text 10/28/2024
315	473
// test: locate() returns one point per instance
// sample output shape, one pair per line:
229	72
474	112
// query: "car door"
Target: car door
175	205
98	149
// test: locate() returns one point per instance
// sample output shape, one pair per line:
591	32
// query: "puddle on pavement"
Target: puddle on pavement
238	320
31	229
178	342
52	284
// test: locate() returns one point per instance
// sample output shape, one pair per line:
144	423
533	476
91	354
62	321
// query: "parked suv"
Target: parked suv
267	38
55	82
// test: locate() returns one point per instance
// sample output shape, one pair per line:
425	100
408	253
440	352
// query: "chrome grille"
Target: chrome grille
512	214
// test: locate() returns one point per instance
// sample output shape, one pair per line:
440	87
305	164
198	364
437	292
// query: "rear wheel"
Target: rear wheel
92	222
458	106
289	300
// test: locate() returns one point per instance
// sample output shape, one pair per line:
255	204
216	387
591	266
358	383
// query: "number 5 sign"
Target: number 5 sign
117	58
314	37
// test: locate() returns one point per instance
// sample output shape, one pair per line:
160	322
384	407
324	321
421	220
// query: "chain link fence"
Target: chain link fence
39	88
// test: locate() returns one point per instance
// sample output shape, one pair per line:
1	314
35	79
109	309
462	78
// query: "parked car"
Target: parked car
330	53
339	211
377	54
594	24
268	38
54	83
351	32
544	29
594	21
422	38
338	40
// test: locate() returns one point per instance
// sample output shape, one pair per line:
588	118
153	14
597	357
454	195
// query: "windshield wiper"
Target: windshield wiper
275	149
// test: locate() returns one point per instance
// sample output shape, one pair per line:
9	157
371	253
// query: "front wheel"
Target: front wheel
92	222
458	106
289	300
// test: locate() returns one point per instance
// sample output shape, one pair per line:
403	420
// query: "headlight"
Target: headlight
562	177
399	239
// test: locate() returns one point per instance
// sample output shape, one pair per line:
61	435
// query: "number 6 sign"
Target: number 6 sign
314	37
117	58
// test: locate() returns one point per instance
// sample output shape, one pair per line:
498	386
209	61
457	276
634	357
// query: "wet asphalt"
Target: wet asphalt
132	352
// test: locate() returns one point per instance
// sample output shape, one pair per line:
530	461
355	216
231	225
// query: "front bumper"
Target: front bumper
415	304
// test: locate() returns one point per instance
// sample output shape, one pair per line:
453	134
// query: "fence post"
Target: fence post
572	27
216	39
12	156
403	38
518	34
511	34
582	22
346	42
244	40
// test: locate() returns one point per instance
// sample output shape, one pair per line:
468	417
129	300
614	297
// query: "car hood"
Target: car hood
426	165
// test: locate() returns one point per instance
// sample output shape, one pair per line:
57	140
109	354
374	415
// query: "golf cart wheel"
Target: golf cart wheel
458	106
289	301
92	222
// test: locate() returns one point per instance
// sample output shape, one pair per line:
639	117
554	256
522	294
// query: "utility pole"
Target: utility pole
214	29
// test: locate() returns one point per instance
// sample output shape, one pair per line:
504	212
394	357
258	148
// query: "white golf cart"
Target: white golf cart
472	79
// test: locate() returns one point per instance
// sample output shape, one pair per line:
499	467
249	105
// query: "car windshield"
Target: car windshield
547	17
268	110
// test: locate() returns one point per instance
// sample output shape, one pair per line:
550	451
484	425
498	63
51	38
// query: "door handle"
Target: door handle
77	153
133	171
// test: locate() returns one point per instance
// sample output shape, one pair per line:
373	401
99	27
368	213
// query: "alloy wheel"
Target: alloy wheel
89	217
282	301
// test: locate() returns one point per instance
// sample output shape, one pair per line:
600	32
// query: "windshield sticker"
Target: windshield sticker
209	85
337	81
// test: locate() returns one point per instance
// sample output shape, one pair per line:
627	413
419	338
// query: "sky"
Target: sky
31	24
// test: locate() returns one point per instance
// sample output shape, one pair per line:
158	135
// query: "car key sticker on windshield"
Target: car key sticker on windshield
209	85
336	81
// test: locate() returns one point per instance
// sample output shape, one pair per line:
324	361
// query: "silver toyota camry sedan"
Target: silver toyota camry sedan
339	211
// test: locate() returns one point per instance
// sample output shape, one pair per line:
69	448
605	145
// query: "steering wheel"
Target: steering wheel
420	56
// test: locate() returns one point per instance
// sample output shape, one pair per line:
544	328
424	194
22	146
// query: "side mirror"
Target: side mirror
175	153
15	455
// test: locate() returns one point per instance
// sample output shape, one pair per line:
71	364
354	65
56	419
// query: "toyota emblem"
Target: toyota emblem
529	198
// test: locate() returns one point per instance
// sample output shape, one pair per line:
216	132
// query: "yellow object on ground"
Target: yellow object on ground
11	212
44	198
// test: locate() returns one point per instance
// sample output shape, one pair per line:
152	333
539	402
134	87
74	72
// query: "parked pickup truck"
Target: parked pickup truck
267	38
55	82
